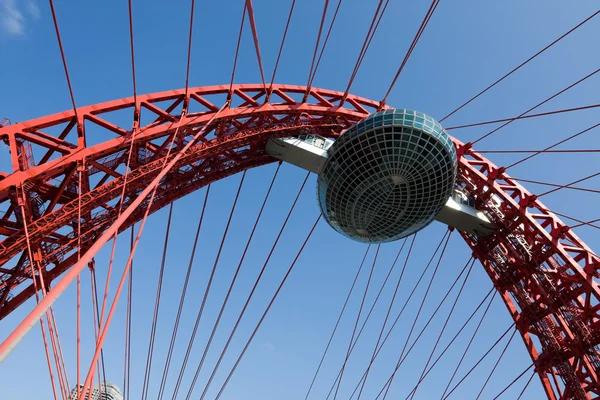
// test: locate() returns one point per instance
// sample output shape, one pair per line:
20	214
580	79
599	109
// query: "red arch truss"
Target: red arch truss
547	277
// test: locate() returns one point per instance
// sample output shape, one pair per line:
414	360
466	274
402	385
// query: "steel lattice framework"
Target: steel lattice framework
547	277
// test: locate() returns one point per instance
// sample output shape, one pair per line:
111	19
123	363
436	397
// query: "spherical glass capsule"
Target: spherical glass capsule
387	176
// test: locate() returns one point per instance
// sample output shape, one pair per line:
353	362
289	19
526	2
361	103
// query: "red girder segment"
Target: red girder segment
546	275
241	135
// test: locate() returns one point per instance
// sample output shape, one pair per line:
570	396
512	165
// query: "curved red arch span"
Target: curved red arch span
547	277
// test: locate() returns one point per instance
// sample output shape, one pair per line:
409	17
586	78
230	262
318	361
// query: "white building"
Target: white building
104	391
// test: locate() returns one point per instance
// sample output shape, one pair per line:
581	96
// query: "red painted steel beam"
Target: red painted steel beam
547	276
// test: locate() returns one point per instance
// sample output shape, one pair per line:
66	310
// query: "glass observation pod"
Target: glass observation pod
385	178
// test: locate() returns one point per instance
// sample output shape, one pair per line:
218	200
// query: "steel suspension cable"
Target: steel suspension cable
132	51
379	18
513	382
554	145
64	61
213	270
256	45
427	324
569	184
400	313
364	324
566	110
48	357
80	169
456	335
416	341
333	19
149	356
439	338
358	315
375	302
389	310
59	349
468	346
522	64
556	185
163	380
431	317
416	319
78	332
312	65
62	380
426	20
237	52
287	25
189	52
61	372
526	385
37	296
537	105
496	365
97	320
95	329
249	298
54	342
367	42
556	384
337	323
479	361
96	324
589	223
197	323
194	330
233	281
237	362
127	364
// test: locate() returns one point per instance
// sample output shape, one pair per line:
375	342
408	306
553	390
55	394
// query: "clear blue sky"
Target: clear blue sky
467	45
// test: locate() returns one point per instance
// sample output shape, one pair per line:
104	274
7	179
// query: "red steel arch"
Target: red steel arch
547	277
